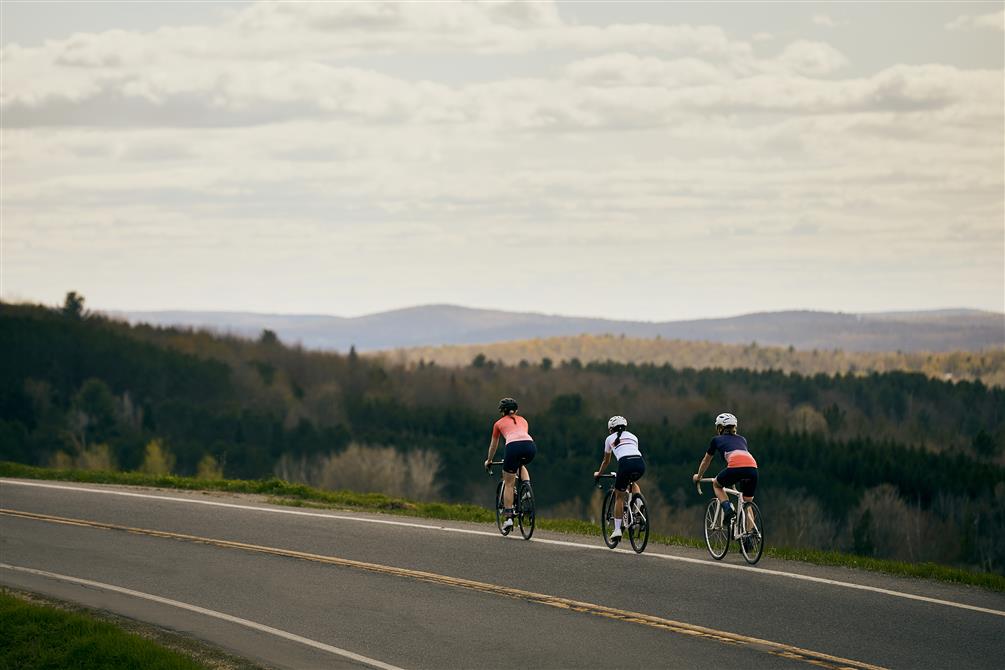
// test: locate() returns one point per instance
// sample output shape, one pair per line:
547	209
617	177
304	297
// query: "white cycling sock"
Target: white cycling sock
617	524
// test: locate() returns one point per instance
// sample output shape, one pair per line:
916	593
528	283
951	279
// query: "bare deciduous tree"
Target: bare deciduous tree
365	469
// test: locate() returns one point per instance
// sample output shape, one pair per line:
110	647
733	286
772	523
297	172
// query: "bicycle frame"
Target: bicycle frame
739	529
634	515
502	479
524	515
627	496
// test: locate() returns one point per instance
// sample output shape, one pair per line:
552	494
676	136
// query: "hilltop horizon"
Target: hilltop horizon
954	310
433	325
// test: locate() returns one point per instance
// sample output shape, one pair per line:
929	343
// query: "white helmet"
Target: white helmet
616	421
725	419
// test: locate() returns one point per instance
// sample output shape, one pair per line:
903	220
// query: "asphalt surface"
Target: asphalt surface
404	621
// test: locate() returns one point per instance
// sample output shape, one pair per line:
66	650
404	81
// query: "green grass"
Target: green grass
272	487
300	495
36	637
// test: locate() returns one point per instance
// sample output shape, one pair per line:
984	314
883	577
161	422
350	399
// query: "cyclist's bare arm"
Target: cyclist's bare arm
493	445
705	462
603	466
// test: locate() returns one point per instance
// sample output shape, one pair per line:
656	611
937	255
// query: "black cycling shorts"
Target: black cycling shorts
517	454
744	478
630	469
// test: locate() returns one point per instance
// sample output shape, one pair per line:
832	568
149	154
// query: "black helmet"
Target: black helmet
507	404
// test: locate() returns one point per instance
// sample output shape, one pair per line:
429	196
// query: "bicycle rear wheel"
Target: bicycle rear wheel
638	532
607	519
525	510
716	534
752	540
500	509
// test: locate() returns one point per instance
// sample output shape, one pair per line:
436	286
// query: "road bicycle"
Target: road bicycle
747	527
634	520
523	506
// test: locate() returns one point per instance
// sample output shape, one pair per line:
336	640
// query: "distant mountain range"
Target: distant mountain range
432	325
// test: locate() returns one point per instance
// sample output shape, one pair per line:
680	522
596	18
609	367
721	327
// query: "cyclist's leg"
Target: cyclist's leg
630	499
518	454
637	475
511	465
527	455
621	486
508	479
748	486
619	505
727	477
750	513
719	490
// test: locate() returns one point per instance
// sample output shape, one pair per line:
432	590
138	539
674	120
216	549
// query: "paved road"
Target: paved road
311	588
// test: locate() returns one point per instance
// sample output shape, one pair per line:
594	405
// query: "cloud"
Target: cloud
811	58
323	119
227	93
389	17
158	152
626	69
992	21
616	90
826	21
673	88
279	61
332	31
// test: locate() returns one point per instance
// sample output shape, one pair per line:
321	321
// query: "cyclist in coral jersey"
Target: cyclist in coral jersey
741	468
520	450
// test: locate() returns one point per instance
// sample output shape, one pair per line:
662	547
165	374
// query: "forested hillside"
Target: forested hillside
893	465
987	366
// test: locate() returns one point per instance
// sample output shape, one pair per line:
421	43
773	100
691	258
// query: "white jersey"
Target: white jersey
628	445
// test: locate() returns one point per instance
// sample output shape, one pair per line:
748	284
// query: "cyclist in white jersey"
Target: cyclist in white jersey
631	465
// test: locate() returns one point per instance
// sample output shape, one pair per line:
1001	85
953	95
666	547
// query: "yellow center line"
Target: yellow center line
775	648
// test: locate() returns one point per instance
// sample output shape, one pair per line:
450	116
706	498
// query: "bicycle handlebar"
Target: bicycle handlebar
489	468
607	475
730	491
704	479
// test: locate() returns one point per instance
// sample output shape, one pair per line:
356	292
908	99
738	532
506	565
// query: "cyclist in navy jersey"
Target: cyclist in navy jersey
741	468
631	465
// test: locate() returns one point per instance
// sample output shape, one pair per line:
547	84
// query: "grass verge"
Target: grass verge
38	636
300	495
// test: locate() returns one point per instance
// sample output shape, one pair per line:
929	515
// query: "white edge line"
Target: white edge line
562	543
210	613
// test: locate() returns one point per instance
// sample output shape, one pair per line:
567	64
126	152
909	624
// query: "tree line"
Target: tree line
987	366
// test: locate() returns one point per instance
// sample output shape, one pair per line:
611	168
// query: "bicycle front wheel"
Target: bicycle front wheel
638	532
716	533
607	519
525	510
752	539
500	509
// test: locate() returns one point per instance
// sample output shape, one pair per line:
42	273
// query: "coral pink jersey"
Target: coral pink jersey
513	428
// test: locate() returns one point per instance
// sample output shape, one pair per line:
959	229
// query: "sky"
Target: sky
648	161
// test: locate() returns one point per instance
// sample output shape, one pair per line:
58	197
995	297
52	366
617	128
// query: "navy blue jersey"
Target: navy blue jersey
734	449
